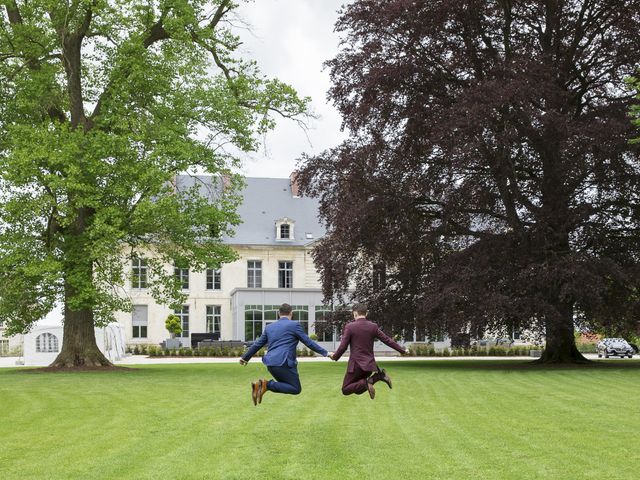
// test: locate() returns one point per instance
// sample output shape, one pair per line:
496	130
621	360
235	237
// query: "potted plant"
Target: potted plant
174	327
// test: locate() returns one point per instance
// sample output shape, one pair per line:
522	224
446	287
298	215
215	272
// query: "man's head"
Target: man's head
359	310
285	310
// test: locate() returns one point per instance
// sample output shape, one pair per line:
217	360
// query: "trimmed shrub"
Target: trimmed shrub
586	347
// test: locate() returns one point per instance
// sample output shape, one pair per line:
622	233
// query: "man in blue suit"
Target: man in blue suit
282	337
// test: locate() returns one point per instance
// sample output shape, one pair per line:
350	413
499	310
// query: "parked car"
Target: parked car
614	346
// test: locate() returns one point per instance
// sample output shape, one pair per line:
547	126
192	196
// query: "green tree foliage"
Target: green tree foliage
102	104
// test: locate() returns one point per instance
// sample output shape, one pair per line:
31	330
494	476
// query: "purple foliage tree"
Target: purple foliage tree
488	181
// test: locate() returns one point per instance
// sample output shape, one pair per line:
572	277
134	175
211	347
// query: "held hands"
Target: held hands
243	362
330	355
406	352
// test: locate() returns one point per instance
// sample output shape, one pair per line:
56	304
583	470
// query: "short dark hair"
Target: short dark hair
285	309
360	308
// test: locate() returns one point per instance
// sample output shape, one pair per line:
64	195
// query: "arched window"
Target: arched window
285	229
46	342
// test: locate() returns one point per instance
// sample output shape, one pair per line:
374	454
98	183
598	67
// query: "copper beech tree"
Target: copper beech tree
488	181
102	104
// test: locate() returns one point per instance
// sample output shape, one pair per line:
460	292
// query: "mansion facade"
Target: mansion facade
237	301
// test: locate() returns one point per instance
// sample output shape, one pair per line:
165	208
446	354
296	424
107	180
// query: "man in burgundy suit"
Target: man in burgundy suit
359	336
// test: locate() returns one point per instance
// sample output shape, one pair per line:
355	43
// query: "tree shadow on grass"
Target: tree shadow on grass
511	365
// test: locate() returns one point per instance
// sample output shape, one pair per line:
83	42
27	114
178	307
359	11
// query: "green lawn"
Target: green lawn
442	420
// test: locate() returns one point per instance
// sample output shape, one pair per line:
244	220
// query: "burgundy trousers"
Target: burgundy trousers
356	381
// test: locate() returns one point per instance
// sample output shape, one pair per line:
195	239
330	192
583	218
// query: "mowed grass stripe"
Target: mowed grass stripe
477	420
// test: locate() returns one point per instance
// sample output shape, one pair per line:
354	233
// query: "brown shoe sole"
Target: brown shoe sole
262	389
372	391
254	392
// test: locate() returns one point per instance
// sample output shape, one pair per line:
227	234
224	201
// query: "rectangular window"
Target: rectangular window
517	334
254	274
252	322
183	315
379	276
301	314
284	230
140	321
138	273
214	318
182	274
285	274
139	331
4	347
324	330
271	313
214	279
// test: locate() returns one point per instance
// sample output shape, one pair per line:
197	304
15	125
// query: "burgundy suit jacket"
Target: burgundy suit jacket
359	336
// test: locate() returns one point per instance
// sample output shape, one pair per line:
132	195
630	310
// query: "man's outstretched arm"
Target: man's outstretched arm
257	345
344	343
384	338
304	338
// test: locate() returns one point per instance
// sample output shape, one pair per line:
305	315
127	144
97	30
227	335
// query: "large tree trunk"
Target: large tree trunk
561	343
556	247
79	348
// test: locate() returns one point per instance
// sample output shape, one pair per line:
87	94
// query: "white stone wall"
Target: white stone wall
234	275
14	342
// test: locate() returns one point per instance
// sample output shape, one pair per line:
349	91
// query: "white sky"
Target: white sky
290	40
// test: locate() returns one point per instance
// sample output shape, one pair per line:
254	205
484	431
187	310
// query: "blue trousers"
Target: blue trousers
286	380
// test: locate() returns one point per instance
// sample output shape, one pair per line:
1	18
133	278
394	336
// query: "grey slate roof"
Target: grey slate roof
265	201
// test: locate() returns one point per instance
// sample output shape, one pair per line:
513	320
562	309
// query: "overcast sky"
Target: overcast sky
290	40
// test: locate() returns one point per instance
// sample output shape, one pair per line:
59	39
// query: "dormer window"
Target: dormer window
284	229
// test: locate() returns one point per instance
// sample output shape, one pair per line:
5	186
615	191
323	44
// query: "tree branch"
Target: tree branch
156	34
15	18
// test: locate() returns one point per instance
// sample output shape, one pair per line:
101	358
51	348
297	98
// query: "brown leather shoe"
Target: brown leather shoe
262	388
372	391
254	392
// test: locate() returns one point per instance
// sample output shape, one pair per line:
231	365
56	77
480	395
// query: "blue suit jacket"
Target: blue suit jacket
282	337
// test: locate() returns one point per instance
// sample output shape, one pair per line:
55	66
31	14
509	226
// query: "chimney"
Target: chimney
295	189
